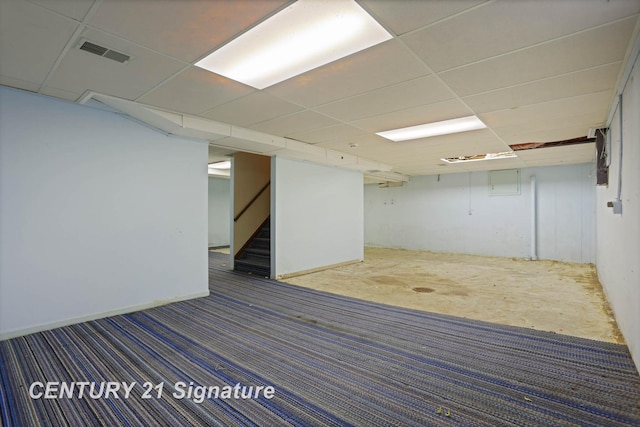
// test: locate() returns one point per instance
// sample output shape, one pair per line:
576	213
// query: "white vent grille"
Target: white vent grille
105	52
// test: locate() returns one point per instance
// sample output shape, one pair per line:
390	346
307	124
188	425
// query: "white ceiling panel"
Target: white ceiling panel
251	109
460	144
381	65
183	29
303	121
80	70
553	113
31	39
556	130
415	14
427	151
18	83
602	45
563	132
414	116
61	93
413	93
75	9
195	91
522	23
567	154
564	86
584	150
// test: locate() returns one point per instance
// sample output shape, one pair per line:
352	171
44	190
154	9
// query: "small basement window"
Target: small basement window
504	182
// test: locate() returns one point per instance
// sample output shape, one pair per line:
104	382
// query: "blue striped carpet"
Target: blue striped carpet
331	360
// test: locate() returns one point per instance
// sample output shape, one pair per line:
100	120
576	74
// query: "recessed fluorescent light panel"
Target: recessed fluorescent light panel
220	165
220	169
462	124
301	37
488	156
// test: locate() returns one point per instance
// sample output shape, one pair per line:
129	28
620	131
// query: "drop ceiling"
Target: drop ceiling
531	70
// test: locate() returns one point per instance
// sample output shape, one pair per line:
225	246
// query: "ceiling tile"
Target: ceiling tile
585	151
251	109
551	113
501	27
19	84
31	39
303	121
413	93
414	14
75	9
426	152
568	154
381	65
561	132
61	93
568	85
80	71
414	116
194	91
459	144
184	29
599	46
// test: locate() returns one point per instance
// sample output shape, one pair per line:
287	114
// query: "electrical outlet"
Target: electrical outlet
616	205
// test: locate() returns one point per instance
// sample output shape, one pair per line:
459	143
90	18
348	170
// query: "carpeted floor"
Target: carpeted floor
330	360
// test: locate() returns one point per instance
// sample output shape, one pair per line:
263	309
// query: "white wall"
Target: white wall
219	211
317	217
618	237
455	213
98	214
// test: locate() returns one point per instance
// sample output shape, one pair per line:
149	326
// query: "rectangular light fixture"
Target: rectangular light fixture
220	165
478	157
301	37
462	124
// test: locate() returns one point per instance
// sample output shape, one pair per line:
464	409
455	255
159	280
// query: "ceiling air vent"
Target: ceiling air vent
103	51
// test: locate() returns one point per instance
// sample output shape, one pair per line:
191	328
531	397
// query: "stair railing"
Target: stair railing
235	219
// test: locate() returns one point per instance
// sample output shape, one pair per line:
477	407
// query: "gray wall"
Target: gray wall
455	213
219	211
316	216
98	214
618	248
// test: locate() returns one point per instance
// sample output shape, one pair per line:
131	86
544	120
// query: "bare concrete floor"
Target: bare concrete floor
561	297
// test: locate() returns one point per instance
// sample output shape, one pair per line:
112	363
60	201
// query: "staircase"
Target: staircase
255	258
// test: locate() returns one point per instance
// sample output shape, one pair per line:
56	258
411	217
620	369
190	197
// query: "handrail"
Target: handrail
251	202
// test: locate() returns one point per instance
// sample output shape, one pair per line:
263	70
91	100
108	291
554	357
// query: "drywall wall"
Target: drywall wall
618	236
456	213
98	214
316	218
219	212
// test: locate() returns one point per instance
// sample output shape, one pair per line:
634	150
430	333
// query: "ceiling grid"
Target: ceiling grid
532	71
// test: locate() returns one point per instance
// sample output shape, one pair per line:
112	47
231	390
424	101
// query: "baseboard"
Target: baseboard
47	326
315	270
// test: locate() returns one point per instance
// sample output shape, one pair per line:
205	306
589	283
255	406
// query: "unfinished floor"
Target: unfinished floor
554	296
